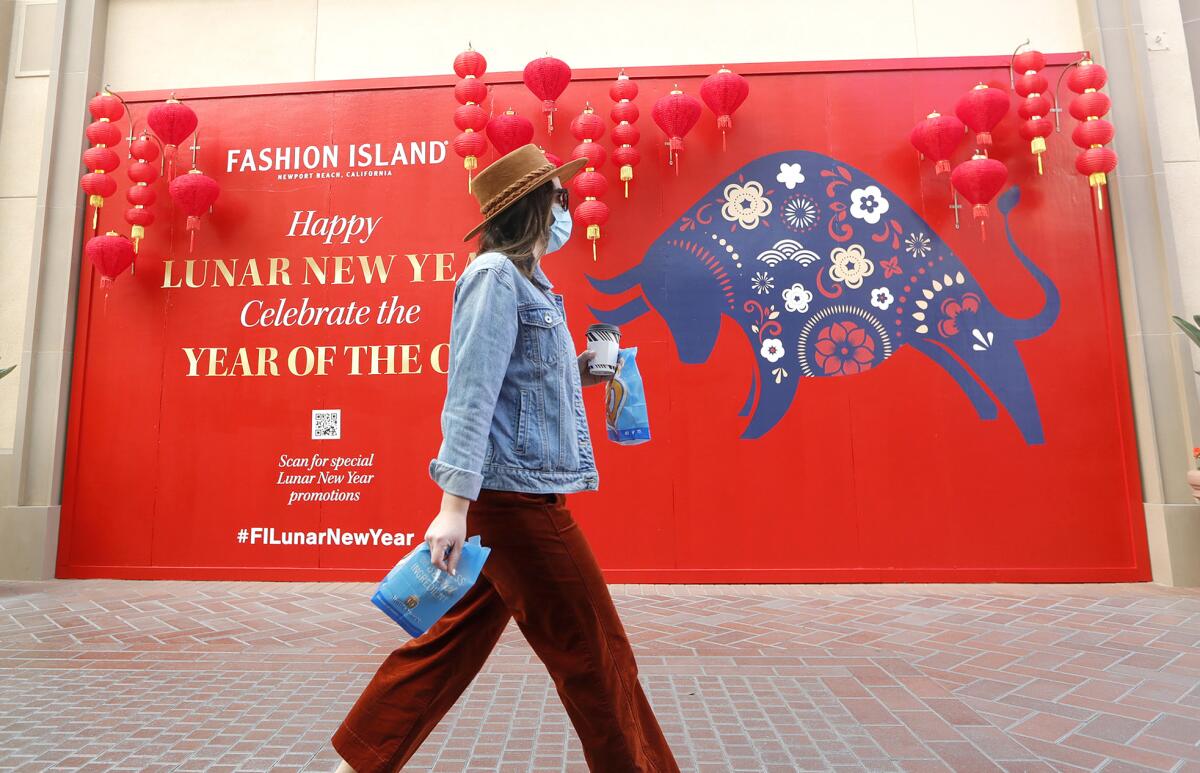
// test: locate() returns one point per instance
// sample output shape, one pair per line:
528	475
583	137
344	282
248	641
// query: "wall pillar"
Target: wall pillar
32	494
1148	264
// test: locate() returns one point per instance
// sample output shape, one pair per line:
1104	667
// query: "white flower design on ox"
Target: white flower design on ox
868	204
881	298
745	204
772	350
796	298
850	266
790	175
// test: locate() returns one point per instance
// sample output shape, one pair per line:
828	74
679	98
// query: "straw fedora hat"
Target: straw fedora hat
510	177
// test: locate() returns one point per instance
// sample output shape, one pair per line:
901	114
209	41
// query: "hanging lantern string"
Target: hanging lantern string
1058	86
128	115
1012	78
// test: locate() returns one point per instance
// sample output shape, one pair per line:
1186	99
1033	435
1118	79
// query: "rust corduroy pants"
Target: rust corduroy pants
541	571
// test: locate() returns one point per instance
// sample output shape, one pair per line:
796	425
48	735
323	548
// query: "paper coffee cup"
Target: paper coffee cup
604	340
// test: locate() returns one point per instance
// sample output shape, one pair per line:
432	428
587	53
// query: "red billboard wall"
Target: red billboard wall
842	385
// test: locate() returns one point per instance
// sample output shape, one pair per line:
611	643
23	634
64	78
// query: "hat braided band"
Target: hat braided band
514	190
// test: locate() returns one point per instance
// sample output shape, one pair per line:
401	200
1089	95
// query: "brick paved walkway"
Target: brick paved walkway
150	676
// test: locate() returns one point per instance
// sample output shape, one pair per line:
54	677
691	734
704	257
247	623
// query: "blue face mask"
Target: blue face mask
560	229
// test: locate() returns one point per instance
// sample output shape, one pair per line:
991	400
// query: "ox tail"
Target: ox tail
1041	322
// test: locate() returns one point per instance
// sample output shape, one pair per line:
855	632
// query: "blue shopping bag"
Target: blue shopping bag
416	593
627	419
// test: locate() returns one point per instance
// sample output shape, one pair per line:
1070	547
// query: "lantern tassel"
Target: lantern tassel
723	147
95	219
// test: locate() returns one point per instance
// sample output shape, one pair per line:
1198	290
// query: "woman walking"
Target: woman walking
514	442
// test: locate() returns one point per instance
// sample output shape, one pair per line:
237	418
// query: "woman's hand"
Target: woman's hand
586	376
448	530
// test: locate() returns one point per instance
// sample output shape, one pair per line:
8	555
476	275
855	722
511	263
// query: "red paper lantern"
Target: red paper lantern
509	131
590	184
1094	132
1089	104
470	91
172	122
98	184
593	214
103	133
1031	84
676	114
100	160
937	137
110	254
981	109
625	112
470	64
1087	76
194	193
1033	106
144	147
1095	161
470	117
625	133
106	106
979	180
141	194
547	78
142	173
593	152
724	92
1029	60
553	159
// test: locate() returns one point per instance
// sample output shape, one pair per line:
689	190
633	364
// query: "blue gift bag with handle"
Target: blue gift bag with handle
416	593
627	418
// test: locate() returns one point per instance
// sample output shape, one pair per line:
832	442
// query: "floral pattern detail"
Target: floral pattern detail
953	308
796	298
745	205
868	204
801	213
985	340
850	266
762	282
790	175
917	244
891	267
881	298
772	349
767	327
839	229
843	349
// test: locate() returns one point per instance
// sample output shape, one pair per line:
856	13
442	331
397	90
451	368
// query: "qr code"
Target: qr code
327	424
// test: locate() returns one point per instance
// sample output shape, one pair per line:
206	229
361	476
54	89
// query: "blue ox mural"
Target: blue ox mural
829	274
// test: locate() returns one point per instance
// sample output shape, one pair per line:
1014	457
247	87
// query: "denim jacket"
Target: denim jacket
513	419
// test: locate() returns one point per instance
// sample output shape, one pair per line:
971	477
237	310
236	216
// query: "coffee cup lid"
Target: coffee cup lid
604	326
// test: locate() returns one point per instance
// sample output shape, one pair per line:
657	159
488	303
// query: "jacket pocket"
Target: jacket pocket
530	430
541	333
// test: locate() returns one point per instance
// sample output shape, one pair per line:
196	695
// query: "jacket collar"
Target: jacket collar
540	279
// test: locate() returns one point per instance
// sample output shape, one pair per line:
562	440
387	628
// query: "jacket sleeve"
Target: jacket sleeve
483	334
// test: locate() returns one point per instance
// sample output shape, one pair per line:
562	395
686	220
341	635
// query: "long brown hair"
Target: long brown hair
515	232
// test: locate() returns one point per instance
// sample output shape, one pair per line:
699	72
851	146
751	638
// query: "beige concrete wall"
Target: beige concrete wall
265	41
22	120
